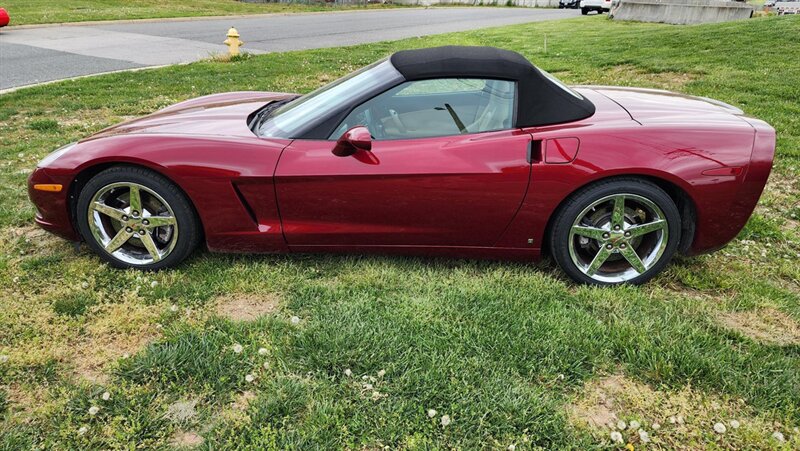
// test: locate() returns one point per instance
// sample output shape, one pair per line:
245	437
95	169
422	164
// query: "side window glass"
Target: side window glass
436	107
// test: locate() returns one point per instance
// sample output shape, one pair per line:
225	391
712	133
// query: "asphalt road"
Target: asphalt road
35	55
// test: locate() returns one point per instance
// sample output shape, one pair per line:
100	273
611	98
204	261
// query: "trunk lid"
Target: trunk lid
655	105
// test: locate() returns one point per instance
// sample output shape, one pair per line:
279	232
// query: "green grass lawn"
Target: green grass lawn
354	351
24	12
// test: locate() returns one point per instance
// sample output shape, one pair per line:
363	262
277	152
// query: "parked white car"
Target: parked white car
787	7
600	6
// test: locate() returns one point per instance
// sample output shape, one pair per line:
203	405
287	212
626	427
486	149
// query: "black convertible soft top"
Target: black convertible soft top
541	101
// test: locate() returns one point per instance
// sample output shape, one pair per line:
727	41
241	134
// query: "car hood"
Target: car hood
218	114
655	105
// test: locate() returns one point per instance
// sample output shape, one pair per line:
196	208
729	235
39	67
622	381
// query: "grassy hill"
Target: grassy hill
26	12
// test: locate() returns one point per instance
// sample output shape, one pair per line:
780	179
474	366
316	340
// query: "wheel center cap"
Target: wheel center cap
616	238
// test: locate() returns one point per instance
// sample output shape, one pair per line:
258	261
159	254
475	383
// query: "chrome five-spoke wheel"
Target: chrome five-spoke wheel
618	238
616	231
136	218
133	223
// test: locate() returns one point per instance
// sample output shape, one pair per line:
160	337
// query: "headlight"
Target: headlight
46	161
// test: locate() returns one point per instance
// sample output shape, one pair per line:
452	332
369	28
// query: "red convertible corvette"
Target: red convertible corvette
459	151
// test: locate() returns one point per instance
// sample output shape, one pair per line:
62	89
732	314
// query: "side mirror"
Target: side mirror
353	140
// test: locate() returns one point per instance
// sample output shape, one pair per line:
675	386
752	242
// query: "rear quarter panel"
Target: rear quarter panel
676	150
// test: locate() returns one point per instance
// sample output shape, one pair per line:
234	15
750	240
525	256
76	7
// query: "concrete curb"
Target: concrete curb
681	12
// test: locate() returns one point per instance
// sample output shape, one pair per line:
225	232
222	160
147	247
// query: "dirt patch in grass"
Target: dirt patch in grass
669	419
186	439
119	330
766	325
24	401
242	401
31	239
182	411
598	410
245	307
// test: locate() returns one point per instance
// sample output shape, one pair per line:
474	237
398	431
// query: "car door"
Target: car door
446	168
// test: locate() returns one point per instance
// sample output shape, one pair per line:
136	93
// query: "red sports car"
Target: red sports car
4	19
457	151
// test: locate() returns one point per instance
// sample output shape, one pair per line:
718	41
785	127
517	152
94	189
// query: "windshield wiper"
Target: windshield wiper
266	111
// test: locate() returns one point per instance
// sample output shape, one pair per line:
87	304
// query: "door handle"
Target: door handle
534	151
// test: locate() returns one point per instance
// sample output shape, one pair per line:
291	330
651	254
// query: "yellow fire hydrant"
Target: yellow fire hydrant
233	42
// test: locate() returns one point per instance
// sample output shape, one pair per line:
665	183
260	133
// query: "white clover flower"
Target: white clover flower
561	377
173	308
777	435
85	285
446	420
263	351
348	372
656	426
634	425
237	348
266	365
735	424
621	425
680	419
431	413
15	280
616	437
3	358
83	430
249	378
644	436
295	320
368	386
381	373
106	396
93	410
673	420
512	447
719	428
153	284
126	355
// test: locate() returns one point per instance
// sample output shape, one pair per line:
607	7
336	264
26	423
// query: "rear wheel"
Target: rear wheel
134	218
614	232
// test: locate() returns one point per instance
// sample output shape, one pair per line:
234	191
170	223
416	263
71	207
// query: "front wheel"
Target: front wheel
135	218
617	231
584	11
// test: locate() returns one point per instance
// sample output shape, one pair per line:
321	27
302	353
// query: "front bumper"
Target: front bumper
52	208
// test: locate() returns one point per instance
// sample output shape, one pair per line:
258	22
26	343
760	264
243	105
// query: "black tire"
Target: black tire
184	214
569	212
584	11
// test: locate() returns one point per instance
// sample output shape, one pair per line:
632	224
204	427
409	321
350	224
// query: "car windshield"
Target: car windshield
288	120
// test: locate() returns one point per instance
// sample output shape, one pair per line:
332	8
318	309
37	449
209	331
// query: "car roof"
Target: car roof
540	101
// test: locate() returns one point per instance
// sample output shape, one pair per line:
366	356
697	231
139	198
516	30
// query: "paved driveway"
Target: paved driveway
34	55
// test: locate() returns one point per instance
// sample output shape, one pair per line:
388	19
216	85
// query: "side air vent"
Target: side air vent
246	206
